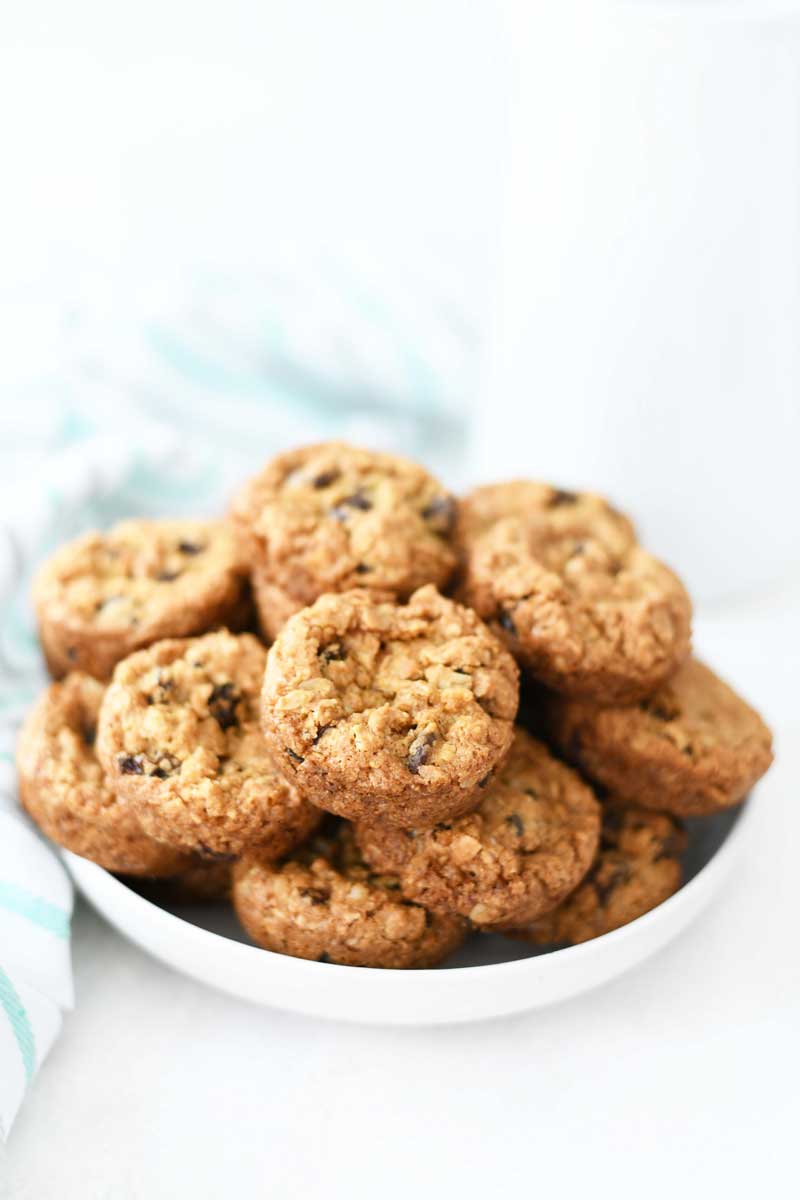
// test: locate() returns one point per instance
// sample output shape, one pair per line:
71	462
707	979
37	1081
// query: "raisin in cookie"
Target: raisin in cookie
581	605
383	709
638	868
179	739
330	517
107	594
692	747
62	785
525	847
324	903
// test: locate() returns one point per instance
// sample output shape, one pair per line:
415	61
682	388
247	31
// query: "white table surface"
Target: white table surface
679	1079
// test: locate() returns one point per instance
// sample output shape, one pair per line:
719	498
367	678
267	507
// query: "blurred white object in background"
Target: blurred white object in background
648	307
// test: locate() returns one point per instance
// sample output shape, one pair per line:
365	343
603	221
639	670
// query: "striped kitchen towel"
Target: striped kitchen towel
35	970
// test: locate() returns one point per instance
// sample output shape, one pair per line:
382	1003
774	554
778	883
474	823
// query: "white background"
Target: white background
139	142
154	130
142	142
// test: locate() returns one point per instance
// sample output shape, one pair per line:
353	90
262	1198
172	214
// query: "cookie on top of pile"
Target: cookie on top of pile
310	708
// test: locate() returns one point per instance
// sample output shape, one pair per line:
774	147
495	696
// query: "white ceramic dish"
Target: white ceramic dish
490	977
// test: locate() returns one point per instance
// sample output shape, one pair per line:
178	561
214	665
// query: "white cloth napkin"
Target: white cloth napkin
35	892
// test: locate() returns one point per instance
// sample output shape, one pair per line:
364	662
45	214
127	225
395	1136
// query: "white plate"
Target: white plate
490	976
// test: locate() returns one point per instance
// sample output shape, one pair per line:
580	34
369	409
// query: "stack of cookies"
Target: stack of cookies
365	790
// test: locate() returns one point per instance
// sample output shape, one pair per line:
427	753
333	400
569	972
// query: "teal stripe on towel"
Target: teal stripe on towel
15	1011
22	902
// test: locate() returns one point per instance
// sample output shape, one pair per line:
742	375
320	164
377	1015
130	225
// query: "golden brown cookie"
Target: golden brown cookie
483	507
525	847
179	738
638	868
62	786
391	710
581	605
107	594
692	747
204	882
273	605
330	517
324	903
